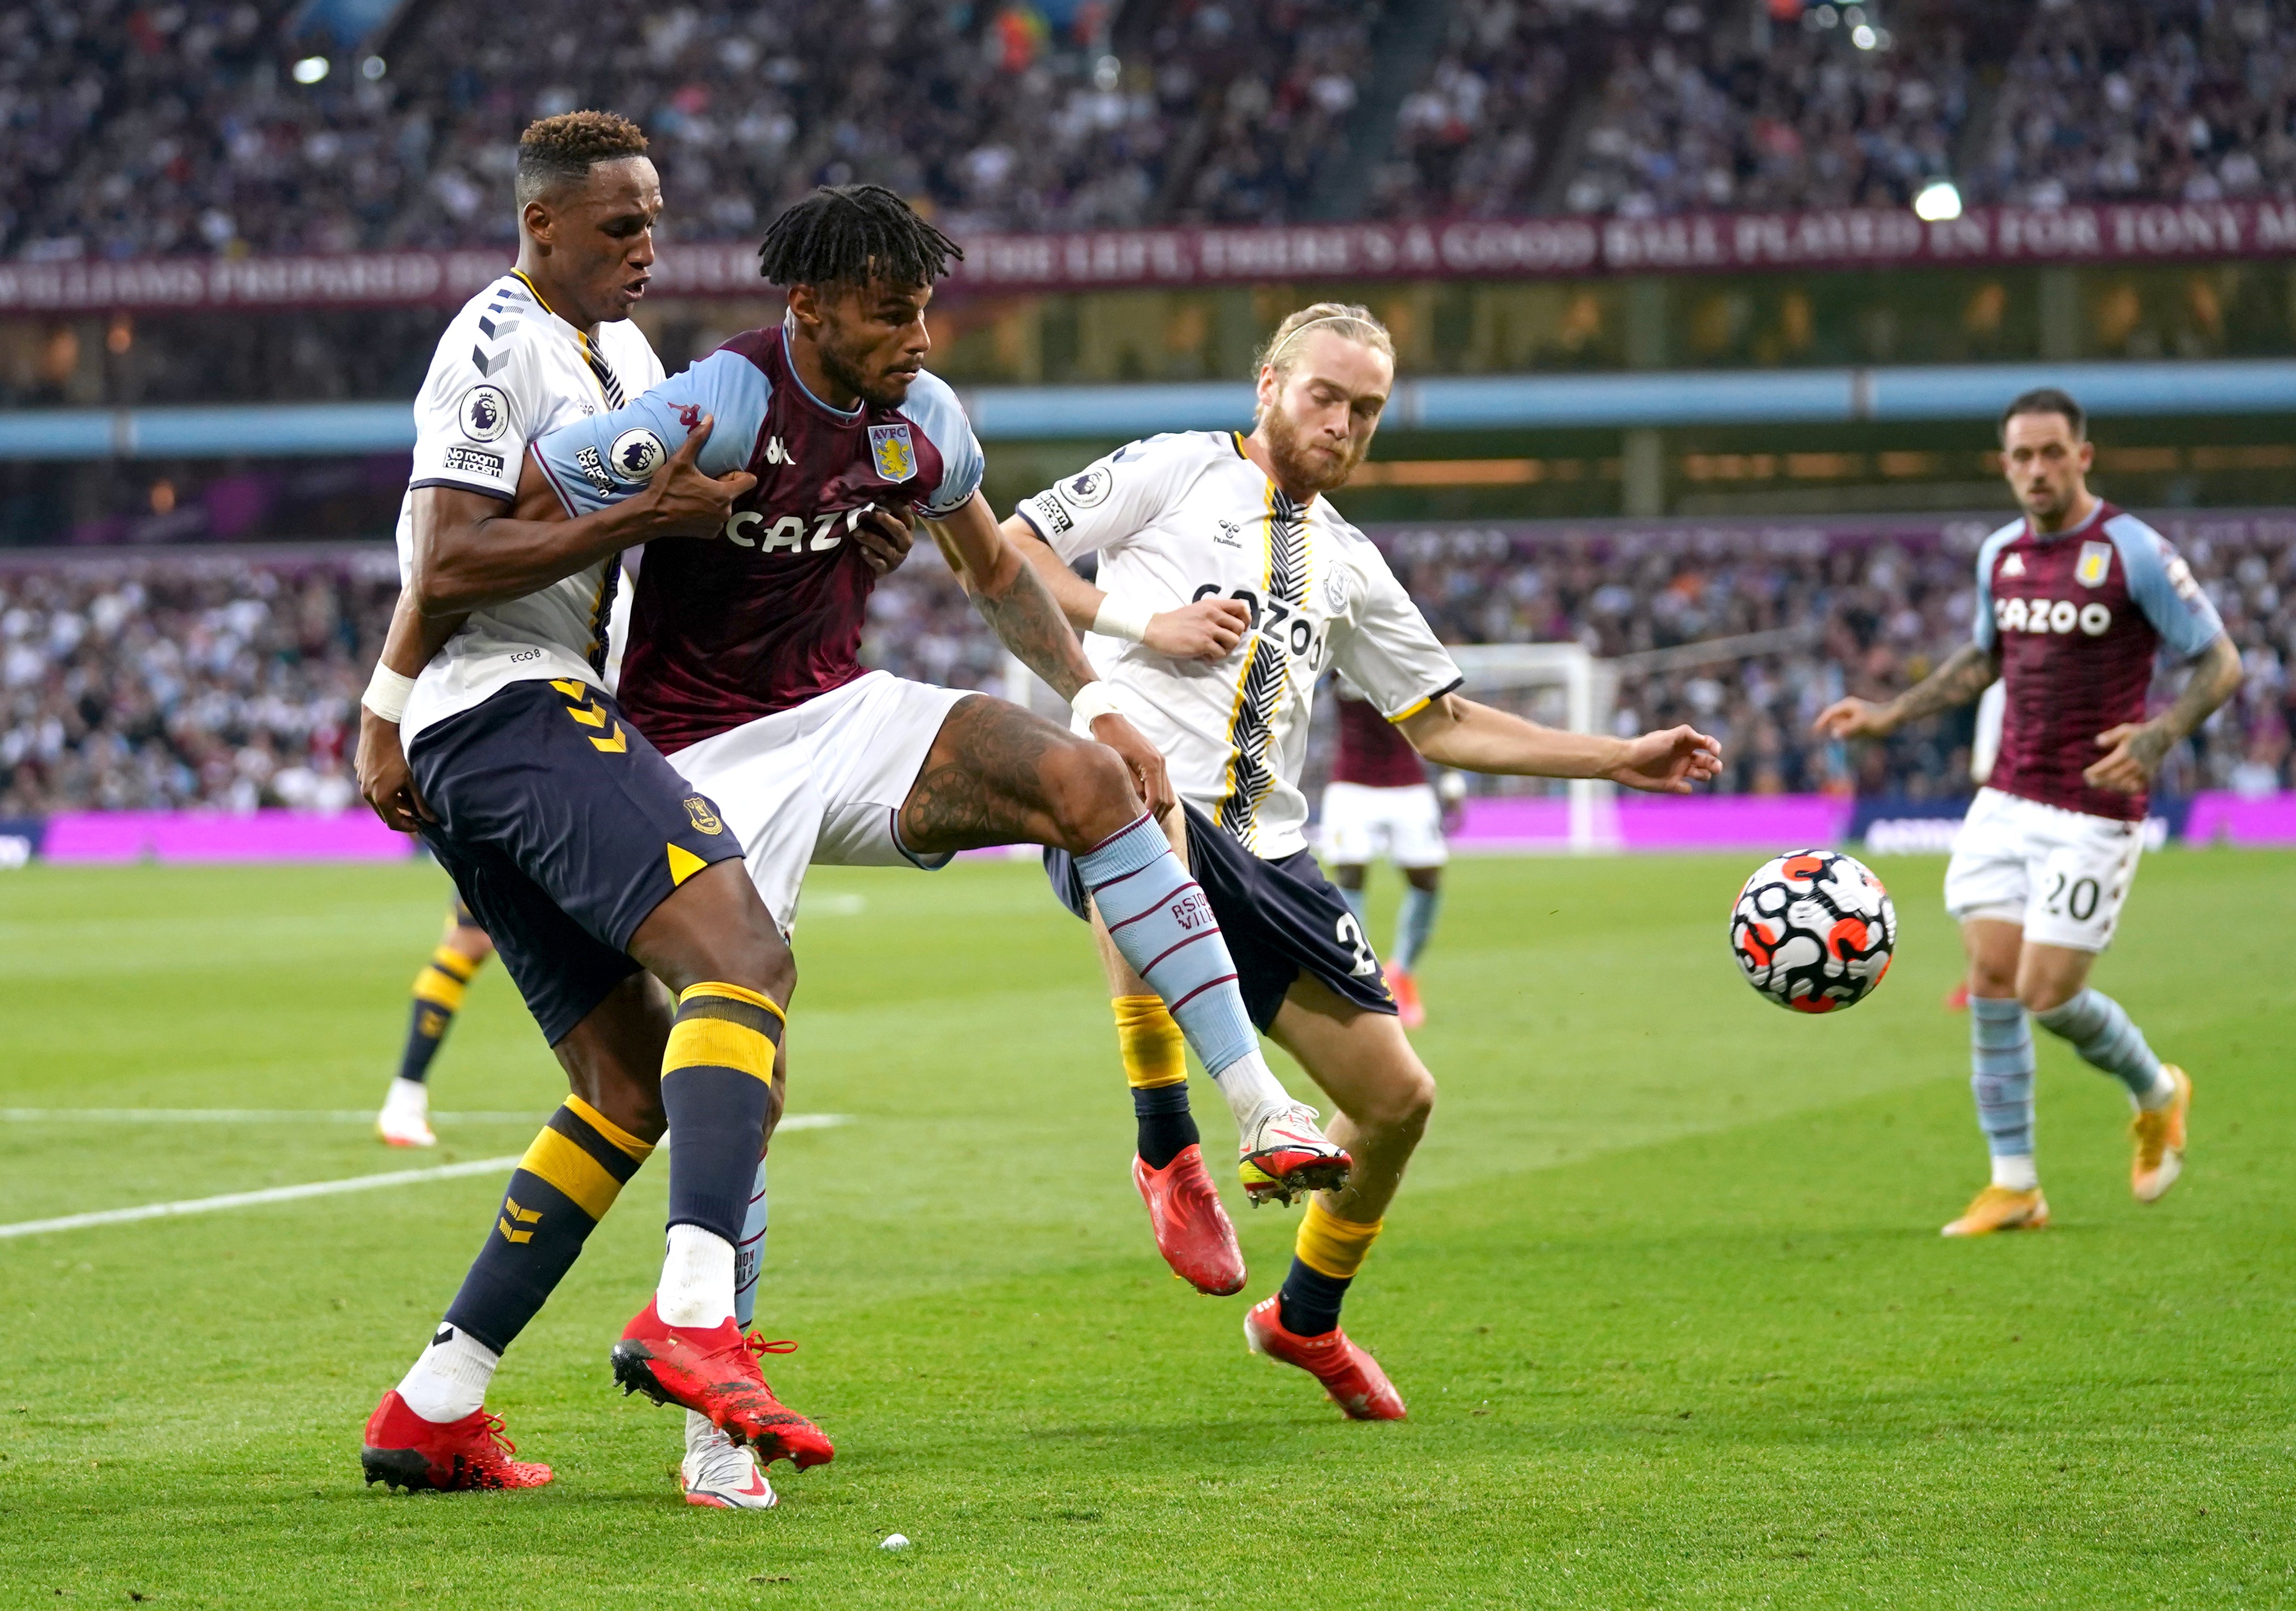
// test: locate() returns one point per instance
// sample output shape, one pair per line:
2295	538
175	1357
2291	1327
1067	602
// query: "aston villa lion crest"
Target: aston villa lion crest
2096	561
896	454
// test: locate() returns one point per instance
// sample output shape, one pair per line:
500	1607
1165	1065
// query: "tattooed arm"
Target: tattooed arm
2138	748
1012	597
1966	672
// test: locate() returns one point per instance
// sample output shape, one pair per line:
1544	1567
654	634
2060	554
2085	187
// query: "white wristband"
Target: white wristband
385	693
1119	619
1094	699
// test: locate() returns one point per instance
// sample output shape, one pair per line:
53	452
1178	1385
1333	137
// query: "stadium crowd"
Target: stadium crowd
182	681
129	130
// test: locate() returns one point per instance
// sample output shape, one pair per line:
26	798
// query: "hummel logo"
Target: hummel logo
775	454
446	1335
1230	534
486	365
2014	566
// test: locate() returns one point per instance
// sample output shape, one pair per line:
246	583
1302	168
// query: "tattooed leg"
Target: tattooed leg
999	774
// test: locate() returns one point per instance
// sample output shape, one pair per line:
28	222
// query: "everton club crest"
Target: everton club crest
896	454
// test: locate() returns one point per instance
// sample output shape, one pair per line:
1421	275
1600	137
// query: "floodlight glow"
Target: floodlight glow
1939	202
371	69
310	70
1863	36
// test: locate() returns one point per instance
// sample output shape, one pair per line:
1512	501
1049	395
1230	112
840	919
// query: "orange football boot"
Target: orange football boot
2000	1208
1405	989
1192	1231
2159	1136
401	1450
715	1373
1351	1377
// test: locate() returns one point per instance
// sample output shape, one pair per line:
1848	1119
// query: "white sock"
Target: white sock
2163	1092
2016	1172
1251	1089
449	1380
405	1094
697	1279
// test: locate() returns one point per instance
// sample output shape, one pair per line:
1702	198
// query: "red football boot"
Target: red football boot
1353	1378
715	1373
1286	1156
404	1450
1192	1231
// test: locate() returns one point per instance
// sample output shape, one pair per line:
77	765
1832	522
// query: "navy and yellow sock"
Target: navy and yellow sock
560	1191
438	990
717	1082
1324	1260
1156	1067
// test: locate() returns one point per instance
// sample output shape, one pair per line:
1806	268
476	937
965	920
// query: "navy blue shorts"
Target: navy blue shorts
563	829
1280	919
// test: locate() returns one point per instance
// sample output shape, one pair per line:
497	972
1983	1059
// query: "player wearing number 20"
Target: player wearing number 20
1230	584
2074	601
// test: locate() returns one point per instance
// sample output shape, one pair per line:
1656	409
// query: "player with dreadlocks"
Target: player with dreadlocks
744	660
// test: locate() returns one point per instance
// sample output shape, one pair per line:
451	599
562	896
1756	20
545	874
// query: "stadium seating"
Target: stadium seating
128	131
221	681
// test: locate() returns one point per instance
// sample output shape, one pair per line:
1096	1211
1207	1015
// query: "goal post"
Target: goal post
1587	690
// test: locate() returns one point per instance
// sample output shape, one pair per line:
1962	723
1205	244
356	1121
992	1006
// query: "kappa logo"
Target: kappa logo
689	415
636	455
775	454
2014	566
484	412
894	453
2094	563
705	821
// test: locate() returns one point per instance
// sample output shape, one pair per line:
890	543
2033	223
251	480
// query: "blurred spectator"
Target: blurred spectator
2175	98
222	681
1696	115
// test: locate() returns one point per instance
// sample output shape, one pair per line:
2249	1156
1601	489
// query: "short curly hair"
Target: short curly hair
562	151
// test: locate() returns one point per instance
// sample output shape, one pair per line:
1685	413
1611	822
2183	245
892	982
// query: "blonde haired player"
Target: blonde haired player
1226	585
2074	600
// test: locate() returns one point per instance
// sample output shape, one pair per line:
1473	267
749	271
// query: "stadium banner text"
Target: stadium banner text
1570	247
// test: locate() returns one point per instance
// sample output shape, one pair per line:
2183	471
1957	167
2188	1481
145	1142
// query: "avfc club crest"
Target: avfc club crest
2096	561
894	453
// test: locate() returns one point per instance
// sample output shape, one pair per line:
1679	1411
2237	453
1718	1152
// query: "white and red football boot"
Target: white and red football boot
1351	1377
719	1473
404	1120
1285	1156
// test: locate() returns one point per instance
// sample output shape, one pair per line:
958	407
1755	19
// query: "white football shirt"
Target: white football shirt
506	371
1188	516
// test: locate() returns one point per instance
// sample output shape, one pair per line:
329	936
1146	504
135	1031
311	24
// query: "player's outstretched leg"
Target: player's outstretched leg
439	988
713	942
996	775
2101	1031
1385	1096
432	1431
716	1471
1192	1231
1414	925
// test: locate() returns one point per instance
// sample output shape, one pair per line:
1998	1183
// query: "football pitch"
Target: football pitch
1664	1290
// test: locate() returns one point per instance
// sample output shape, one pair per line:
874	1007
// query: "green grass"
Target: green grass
1664	1289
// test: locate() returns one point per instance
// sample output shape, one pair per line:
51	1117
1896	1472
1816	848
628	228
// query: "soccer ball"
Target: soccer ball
1814	931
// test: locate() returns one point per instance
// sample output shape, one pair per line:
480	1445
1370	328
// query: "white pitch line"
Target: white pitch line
248	1199
290	1194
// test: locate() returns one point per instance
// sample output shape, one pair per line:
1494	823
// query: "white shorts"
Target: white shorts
1362	823
823	782
2062	875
